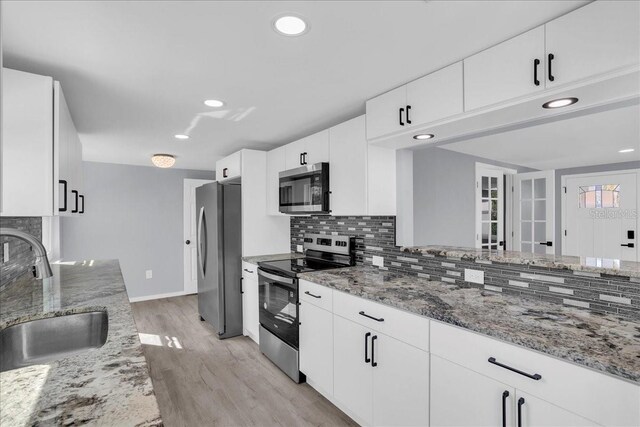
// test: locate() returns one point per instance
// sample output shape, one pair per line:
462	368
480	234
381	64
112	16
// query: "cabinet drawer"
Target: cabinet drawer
249	270
318	295
590	394
403	326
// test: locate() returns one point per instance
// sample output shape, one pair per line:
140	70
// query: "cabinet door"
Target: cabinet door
316	346
400	383
535	412
352	376
348	168
250	319
316	147
462	397
383	113
275	165
293	153
436	96
505	71
62	125
599	37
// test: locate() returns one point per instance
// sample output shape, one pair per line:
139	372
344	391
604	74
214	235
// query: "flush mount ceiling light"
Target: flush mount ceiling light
627	150
163	160
215	103
423	136
290	25
559	103
181	136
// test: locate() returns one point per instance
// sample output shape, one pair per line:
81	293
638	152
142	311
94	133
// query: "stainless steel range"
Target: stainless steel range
278	296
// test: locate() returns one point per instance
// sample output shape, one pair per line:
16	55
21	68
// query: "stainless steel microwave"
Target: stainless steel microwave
305	190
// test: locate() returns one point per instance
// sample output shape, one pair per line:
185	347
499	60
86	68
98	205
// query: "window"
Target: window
599	196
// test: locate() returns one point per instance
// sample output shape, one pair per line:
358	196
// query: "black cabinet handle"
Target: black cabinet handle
546	243
242	285
64	190
517	371
82	200
536	62
629	245
400	111
301	162
188	242
505	394
224	172
408	119
366	347
373	351
312	295
304	158
75	193
551	78
362	313
520	403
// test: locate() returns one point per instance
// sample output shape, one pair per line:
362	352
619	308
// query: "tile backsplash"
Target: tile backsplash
20	255
375	235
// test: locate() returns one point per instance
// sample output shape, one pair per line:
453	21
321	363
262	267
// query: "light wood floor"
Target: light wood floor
216	382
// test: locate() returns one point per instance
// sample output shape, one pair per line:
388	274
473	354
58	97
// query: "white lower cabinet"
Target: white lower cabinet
316	346
534	412
462	397
250	320
378	379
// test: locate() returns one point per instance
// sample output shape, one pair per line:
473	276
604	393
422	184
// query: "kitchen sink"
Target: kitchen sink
44	340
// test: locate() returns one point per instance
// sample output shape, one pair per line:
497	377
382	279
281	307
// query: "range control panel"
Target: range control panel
326	243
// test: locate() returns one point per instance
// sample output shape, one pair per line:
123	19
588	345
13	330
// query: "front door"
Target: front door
190	231
601	215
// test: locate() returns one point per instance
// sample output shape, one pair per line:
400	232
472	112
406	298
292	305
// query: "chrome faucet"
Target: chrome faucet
42	267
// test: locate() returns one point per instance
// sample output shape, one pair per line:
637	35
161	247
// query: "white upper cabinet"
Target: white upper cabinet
509	70
435	96
597	38
308	150
276	163
386	113
229	168
40	148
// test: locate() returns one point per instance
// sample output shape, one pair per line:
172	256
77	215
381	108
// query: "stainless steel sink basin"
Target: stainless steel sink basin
44	340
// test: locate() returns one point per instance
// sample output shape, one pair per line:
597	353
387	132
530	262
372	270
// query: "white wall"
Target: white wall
133	214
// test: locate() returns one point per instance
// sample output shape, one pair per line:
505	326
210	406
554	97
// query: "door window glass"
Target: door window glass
599	196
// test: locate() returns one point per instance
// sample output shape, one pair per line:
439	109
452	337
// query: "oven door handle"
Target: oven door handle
275	278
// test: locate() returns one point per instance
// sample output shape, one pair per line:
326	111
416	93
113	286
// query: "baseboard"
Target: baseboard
157	296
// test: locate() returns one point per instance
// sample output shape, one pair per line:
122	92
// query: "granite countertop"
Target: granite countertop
606	343
107	386
272	257
614	267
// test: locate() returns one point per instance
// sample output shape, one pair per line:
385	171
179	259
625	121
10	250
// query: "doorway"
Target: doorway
600	215
189	234
534	212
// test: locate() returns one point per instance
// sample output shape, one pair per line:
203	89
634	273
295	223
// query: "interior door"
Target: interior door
601	216
489	208
189	219
534	212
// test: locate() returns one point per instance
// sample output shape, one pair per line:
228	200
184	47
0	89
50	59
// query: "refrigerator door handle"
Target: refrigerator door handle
202	242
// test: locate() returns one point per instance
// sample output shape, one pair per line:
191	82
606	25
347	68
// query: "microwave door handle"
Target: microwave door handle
275	278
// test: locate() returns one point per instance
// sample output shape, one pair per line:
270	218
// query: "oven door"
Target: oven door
278	298
305	189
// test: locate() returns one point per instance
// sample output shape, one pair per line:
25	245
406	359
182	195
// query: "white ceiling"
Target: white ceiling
136	73
585	140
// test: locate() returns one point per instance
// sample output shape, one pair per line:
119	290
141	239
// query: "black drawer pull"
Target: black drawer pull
224	172
248	271
400	111
536	62
312	295
64	191
362	313
517	371
366	347
505	394
408	110
551	57
629	245
373	351
520	403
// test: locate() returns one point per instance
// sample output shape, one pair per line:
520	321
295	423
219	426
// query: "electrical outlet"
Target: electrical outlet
149	274
378	261
299	248
474	276
6	252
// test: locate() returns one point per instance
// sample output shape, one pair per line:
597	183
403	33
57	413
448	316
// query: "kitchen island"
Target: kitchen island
109	385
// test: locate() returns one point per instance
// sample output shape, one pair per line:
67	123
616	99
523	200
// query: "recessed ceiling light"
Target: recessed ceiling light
215	103
559	103
627	150
290	25
181	136
423	136
163	160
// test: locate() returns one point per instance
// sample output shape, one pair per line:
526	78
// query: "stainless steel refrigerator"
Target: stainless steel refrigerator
220	257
